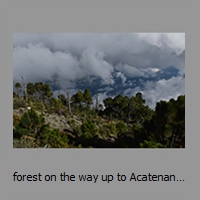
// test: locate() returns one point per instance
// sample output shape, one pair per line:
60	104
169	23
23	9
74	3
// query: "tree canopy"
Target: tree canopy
123	122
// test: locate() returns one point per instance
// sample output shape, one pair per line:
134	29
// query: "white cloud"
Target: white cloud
121	75
174	41
161	90
73	56
130	70
93	63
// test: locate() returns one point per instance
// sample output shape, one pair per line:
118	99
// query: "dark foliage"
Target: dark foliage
125	122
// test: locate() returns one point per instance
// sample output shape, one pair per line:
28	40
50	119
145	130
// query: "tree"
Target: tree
46	92
77	98
118	105
55	105
15	95
97	103
18	88
109	110
167	126
62	99
89	129
139	98
129	107
138	111
31	124
176	122
31	89
69	101
40	90
25	88
87	98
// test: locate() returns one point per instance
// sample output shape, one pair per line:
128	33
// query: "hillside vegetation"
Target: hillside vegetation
42	121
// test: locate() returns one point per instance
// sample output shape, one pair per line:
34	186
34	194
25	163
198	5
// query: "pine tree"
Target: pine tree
18	88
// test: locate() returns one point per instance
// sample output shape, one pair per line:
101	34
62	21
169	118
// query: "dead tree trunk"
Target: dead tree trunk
97	103
25	89
68	101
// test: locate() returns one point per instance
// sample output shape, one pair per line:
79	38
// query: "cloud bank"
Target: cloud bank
73	56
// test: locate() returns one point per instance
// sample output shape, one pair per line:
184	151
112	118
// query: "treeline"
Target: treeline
123	122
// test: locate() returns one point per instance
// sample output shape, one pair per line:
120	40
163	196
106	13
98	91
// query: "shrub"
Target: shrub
19	103
16	119
151	144
89	129
25	142
121	127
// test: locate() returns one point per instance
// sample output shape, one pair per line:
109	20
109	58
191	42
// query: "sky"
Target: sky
74	56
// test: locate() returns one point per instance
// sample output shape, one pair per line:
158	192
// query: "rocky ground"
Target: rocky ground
64	124
54	120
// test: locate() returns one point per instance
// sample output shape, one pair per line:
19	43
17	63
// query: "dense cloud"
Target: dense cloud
161	90
73	56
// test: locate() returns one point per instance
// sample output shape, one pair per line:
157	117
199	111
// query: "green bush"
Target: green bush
151	144
19	103
25	142
89	129
16	119
121	128
57	140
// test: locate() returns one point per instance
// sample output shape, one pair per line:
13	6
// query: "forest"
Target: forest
41	120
